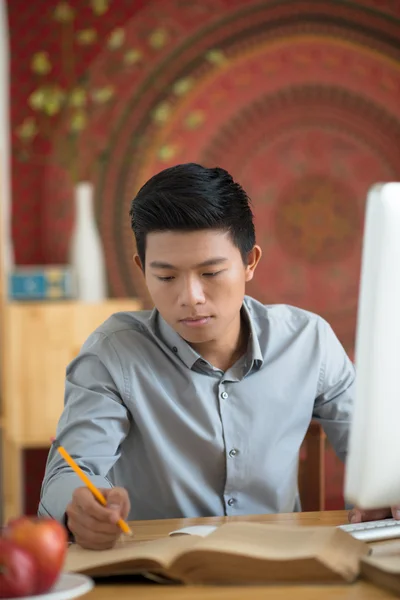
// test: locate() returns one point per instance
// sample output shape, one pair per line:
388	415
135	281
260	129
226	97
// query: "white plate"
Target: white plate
69	585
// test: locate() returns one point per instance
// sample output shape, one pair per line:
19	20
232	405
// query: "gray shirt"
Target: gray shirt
144	411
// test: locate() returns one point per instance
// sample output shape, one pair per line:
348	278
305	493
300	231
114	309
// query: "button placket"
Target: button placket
232	452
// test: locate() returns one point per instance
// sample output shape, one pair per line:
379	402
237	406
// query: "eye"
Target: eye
212	274
169	278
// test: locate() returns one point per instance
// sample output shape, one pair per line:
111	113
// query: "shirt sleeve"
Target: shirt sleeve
334	403
92	426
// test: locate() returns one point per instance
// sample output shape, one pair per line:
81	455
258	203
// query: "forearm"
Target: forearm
92	428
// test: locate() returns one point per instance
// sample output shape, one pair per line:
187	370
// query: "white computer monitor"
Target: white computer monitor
372	477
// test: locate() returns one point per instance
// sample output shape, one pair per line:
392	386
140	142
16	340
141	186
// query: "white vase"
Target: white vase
87	257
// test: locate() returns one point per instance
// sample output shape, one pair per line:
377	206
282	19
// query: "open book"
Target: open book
235	553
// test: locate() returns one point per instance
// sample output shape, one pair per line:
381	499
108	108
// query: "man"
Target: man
200	406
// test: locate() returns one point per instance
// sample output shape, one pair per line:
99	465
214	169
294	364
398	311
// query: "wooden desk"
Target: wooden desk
148	530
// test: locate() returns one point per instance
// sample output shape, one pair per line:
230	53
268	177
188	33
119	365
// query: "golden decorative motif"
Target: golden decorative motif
64	13
103	95
85	37
167	152
182	86
47	99
100	7
216	57
195	119
77	97
132	56
40	63
116	38
158	38
27	130
162	113
70	100
78	121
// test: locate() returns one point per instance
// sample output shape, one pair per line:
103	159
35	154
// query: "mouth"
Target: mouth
198	321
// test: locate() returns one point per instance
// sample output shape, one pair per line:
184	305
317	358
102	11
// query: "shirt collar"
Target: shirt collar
175	342
189	356
254	351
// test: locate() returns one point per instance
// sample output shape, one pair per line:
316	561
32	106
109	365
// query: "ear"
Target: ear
253	259
138	262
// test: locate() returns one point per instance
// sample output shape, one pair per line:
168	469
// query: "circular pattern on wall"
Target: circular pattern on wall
219	102
277	93
316	217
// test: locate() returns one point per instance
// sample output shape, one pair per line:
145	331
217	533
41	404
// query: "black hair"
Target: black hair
190	197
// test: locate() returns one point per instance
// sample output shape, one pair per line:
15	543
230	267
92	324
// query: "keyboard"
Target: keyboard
374	531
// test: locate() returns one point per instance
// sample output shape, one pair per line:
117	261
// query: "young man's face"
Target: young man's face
197	281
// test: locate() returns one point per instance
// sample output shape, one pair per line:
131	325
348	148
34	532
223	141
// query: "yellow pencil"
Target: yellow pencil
96	493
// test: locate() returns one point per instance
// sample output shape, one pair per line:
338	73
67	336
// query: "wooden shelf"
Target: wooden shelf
41	340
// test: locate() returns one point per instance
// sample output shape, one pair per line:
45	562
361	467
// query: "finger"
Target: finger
396	512
355	515
87	503
359	516
94	546
92	542
94	537
107	518
89	546
87	536
118	502
82	519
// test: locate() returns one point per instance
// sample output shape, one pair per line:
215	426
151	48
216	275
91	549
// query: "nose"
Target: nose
191	293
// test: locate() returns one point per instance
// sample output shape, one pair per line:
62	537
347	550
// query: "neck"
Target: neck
222	354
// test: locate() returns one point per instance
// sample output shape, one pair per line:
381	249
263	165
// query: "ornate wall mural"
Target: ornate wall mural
299	100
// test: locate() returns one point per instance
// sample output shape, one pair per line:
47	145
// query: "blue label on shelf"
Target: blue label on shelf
41	283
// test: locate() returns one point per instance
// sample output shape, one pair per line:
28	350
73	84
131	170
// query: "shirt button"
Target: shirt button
224	395
174	349
233	452
231	501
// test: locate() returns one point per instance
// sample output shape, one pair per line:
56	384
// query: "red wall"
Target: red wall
298	99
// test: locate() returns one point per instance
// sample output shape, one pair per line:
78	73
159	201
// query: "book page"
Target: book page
128	555
263	541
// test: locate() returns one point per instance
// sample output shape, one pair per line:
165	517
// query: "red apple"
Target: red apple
17	570
46	540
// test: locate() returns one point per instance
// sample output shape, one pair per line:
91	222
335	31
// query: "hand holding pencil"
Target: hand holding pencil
95	516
